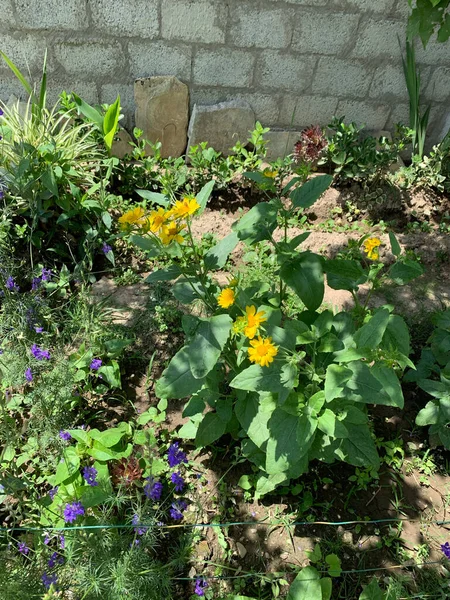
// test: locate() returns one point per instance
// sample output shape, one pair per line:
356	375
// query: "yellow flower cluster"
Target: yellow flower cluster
250	323
371	248
163	223
262	351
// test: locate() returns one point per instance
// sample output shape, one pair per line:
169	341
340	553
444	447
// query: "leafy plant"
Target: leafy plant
428	17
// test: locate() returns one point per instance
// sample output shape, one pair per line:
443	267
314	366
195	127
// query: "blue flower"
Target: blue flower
176	511
55	559
175	456
178	481
29	374
35	283
52	493
138	530
62	542
39	353
96	363
39	329
65	436
72	511
446	549
46	274
22	548
11	284
90	474
106	248
153	489
48	580
200	586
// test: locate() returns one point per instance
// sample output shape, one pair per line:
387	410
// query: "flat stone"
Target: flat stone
221	125
281	143
121	145
162	112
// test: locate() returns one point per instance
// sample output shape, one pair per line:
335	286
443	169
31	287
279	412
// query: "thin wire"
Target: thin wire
231	524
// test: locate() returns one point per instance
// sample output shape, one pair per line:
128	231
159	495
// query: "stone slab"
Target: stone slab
280	143
221	125
162	112
121	145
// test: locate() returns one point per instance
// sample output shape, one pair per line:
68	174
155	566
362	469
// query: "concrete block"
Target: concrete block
281	143
307	110
221	125
285	71
265	106
136	18
87	90
159	58
375	6
6	11
58	14
331	34
438	88
10	86
347	78
399	114
109	92
379	39
436	53
255	26
372	116
162	112
401	10
305	2
193	21
25	50
223	67
92	59
389	83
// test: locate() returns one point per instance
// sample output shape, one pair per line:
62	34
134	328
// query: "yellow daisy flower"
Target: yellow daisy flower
269	173
184	208
134	216
262	351
371	248
254	320
157	219
226	298
171	233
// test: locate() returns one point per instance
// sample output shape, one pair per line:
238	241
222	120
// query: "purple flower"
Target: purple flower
29	374
65	436
176	512
200	586
35	283
39	329
175	456
72	511
39	353
52	493
153	489
11	284
46	274
22	548
106	248
47	539
48	580
178	481
90	474
55	559
62	542
446	549
138	530
1	112
96	363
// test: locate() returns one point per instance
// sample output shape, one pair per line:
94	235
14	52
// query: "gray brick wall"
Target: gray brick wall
295	61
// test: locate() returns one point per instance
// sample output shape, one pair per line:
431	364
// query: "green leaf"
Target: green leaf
27	87
306	586
259	379
314	555
428	415
331	426
217	256
395	246
187	289
111	374
110	122
405	271
364	387
396	337
68	467
304	275
211	428
344	274
110	437
154	197
93	496
326	585
177	381
284	452
438	389
305	195
195	406
89	111
253	415
203	196
371	334
146	243
335	381
207	345
334	562
172	272
390	383
245	483
101	452
258	224
359	448
372	591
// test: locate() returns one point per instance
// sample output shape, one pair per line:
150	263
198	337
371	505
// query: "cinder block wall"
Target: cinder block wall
296	62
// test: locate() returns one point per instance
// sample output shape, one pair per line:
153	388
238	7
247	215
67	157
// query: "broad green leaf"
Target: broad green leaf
364	387
437	389
253	418
195	406
396	337
259	379
89	111
405	271
245	483
203	196
207	345
177	381
314	555
283	448
306	428
344	274
110	437
101	452
256	176
371	333
155	197
187	289
111	374
189	429
372	591
80	435
267	483
68	467
359	448
146	243
217	256
211	428
334	565
428	415
305	195
93	496
331	426
326	585
391	384
110	122
395	246
304	275
258	224
335	381
306	586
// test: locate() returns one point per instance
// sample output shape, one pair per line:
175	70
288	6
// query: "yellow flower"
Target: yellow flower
269	173
239	325
171	233
226	298
371	246
262	351
254	320
132	217
184	208
157	219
